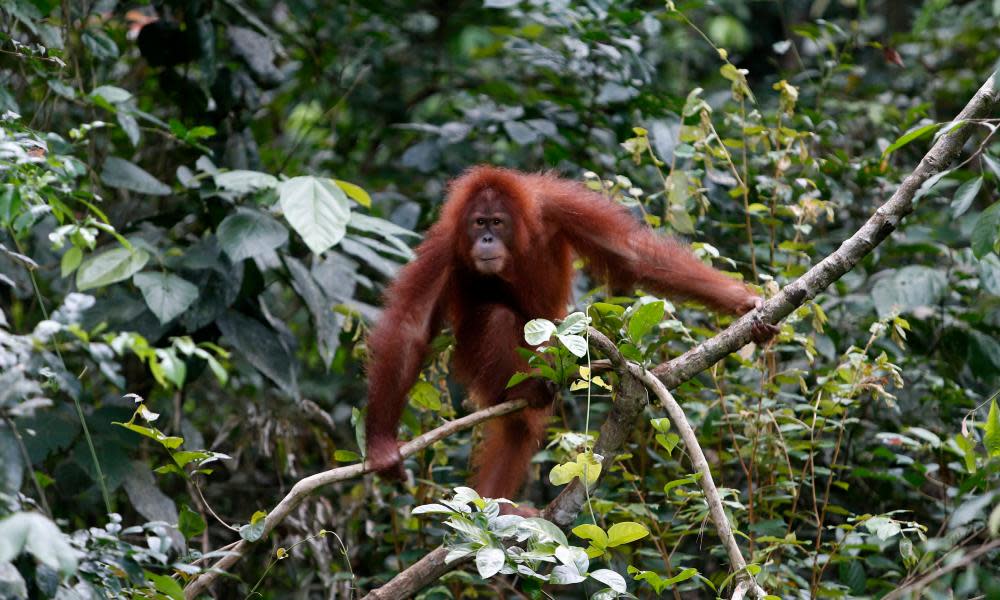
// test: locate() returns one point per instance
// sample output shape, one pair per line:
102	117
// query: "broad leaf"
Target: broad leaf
908	288
120	173
574	343
625	533
110	267
611	579
538	331
986	231
262	347
489	561
249	232
317	209
644	319
964	196
38	536
165	294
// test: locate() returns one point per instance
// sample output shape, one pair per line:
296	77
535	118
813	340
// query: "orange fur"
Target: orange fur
553	219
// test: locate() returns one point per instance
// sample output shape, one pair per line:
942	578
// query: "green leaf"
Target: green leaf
968	452
200	132
668	441
677	482
167	441
908	288
356	192
517	378
993	522
250	232
70	260
611	579
165	294
166	585
929	184
111	94
317	209
626	532
593	533
242	181
574	323
489	561
173	368
130	126
38	536
989	273
587	467
346	456
576	344
110	267
682	576
911	135
120	173
883	527
986	231
661	424
425	396
992	163
991	437
538	331
189	522
964	196
263	348
644	319
255	529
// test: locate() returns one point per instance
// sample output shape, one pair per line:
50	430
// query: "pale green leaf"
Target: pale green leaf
317	209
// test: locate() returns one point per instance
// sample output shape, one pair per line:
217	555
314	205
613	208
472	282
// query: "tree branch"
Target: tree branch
304	487
885	220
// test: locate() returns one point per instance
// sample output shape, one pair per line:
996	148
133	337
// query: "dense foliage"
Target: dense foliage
202	201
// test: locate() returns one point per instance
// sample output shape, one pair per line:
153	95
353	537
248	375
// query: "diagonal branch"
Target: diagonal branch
885	220
305	487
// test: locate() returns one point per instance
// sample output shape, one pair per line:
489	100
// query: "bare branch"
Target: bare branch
301	490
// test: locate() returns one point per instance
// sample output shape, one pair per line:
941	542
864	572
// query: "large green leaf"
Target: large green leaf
120	173
987	231
249	232
262	347
964	196
317	209
644	319
166	295
907	289
38	536
989	274
110	267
